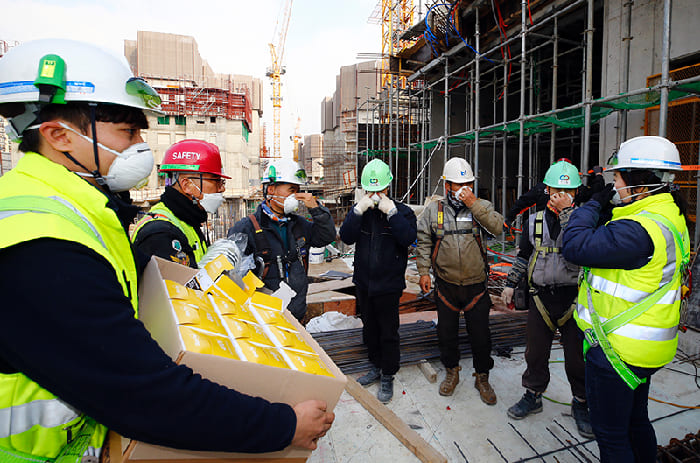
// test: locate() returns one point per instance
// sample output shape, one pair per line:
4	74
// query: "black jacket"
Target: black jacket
302	234
163	238
381	247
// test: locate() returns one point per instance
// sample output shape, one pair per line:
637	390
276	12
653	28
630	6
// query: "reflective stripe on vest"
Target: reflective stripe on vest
199	247
46	413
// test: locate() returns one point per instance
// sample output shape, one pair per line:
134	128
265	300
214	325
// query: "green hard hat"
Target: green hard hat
376	176
562	175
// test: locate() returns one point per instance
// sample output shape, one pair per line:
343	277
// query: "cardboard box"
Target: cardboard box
274	384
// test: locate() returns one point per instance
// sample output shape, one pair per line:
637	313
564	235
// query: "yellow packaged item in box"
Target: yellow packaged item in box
188	314
308	363
272	317
289	338
252	283
226	287
266	301
176	290
203	342
218	266
231	309
258	353
241	329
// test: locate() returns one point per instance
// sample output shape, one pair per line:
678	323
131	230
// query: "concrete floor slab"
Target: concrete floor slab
464	429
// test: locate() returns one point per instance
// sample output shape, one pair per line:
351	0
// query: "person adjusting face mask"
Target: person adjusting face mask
196	182
279	238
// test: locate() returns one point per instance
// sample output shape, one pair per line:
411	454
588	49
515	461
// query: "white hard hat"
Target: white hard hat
646	152
457	170
284	170
70	71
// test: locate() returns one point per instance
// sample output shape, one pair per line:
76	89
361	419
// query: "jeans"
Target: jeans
619	415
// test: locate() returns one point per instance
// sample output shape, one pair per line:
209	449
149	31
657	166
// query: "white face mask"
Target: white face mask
618	201
210	202
376	198
291	204
129	170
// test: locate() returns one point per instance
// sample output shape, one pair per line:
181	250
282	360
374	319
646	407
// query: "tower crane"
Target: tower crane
275	71
296	139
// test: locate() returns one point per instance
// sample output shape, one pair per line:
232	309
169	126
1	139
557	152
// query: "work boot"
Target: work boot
579	410
448	385
386	389
481	382
371	377
529	403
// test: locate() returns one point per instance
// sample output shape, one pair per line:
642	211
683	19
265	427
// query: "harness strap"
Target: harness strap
597	336
547	317
262	245
440	233
452	307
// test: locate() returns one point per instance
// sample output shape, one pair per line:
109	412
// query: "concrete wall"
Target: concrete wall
645	54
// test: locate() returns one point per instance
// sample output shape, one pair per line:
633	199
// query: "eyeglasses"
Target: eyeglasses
136	86
220	182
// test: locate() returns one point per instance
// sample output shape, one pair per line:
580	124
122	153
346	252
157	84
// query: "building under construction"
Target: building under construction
512	86
223	109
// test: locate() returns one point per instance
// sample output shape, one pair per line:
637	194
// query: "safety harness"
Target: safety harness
539	219
597	335
264	250
440	233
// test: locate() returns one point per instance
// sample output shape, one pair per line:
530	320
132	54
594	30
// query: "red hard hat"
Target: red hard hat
193	156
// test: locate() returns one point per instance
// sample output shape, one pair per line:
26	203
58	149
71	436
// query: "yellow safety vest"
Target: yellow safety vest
650	339
42	199
162	212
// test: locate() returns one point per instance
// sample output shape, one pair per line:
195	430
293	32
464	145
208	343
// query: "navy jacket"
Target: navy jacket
381	247
317	233
620	244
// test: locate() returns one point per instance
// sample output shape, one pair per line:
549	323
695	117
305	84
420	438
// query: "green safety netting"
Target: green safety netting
575	117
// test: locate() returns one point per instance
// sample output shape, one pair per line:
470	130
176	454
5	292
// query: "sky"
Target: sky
232	36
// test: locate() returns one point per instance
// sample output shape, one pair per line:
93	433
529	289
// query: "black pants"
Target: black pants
380	329
476	319
539	341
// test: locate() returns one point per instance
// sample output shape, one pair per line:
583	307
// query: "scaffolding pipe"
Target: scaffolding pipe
697	204
505	141
627	40
477	108
665	53
531	109
446	126
397	143
589	92
521	133
493	153
555	83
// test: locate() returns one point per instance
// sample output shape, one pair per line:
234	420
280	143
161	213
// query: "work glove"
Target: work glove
604	196
363	204
597	170
507	295
387	206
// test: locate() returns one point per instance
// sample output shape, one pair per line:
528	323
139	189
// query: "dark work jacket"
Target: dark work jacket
160	237
381	247
317	233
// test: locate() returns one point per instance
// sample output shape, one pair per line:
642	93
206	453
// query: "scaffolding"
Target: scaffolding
510	87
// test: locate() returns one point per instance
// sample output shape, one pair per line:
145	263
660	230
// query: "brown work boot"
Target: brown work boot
447	387
485	390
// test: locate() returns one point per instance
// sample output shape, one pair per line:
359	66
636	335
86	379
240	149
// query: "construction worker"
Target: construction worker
281	239
74	359
553	287
450	241
382	230
629	294
195	185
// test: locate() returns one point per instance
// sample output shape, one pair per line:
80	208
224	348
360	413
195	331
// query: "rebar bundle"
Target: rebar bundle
419	341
